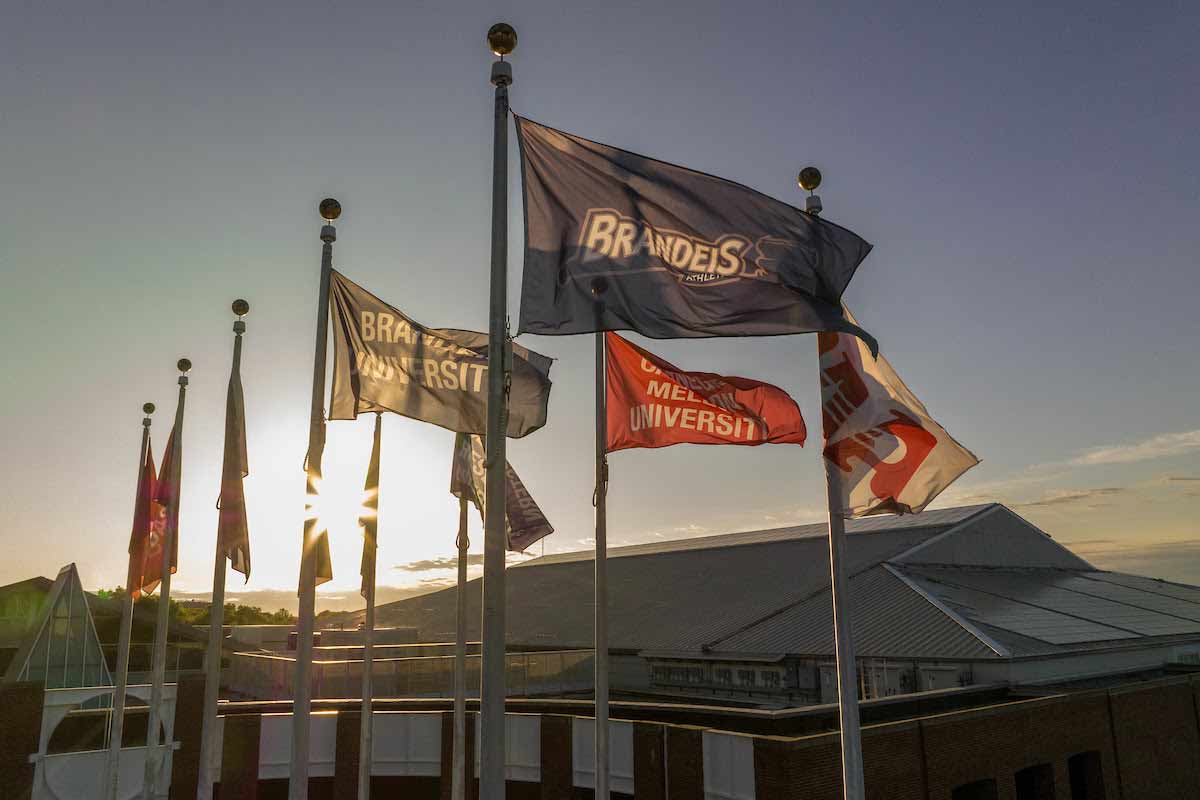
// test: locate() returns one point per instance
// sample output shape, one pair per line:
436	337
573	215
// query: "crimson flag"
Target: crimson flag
652	403
143	518
164	518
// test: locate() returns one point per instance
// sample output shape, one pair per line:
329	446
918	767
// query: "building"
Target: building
946	598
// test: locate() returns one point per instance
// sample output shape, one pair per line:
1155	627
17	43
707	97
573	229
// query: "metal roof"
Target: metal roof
1032	608
976	582
937	518
673	595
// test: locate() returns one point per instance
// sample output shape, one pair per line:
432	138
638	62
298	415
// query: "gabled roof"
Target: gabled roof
977	582
674	595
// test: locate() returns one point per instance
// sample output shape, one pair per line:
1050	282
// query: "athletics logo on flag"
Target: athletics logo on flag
652	403
670	252
893	458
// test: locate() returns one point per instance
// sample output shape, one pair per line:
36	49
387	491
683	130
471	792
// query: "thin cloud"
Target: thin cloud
430	564
1182	478
1086	497
1161	446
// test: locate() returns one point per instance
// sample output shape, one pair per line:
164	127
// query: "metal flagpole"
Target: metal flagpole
302	692
153	752
502	39
366	727
216	614
458	786
601	587
117	723
851	738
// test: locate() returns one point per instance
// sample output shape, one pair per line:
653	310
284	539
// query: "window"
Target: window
660	674
1035	783
976	790
746	677
1087	776
695	675
723	675
770	679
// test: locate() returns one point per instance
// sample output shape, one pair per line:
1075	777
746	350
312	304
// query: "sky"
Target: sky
1027	175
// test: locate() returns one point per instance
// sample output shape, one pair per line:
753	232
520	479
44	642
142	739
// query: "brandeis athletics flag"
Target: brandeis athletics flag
653	403
384	361
233	530
893	457
147	514
525	523
669	252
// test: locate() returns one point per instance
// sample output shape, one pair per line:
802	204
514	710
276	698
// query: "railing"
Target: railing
66	772
269	677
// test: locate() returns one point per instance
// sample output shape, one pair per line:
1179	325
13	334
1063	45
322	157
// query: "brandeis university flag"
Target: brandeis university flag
892	457
618	241
524	521
384	361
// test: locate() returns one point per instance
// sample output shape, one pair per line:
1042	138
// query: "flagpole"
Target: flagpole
366	728
153	752
502	39
330	210
117	722
600	656
216	614
853	782
458	788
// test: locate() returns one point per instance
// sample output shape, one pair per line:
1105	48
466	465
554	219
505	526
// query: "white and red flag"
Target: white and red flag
892	457
653	403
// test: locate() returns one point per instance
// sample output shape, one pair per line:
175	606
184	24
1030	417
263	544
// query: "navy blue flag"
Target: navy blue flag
617	241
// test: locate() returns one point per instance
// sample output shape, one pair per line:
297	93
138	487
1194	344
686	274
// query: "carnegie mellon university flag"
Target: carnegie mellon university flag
384	361
524	521
670	252
892	457
653	403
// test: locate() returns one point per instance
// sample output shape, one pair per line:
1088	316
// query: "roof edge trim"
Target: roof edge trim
991	643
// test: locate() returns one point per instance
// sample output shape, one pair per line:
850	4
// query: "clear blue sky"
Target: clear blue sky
1028	175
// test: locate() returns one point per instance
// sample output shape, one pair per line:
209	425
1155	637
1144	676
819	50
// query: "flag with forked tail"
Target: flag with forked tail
892	458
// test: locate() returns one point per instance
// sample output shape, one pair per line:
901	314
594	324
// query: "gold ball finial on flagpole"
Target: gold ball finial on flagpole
148	409
241	307
809	179
184	365
330	209
502	39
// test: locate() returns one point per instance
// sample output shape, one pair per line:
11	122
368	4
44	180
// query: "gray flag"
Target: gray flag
525	522
670	252
384	361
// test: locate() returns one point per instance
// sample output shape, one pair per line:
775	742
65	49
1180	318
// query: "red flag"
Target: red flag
164	518
652	403
143	516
